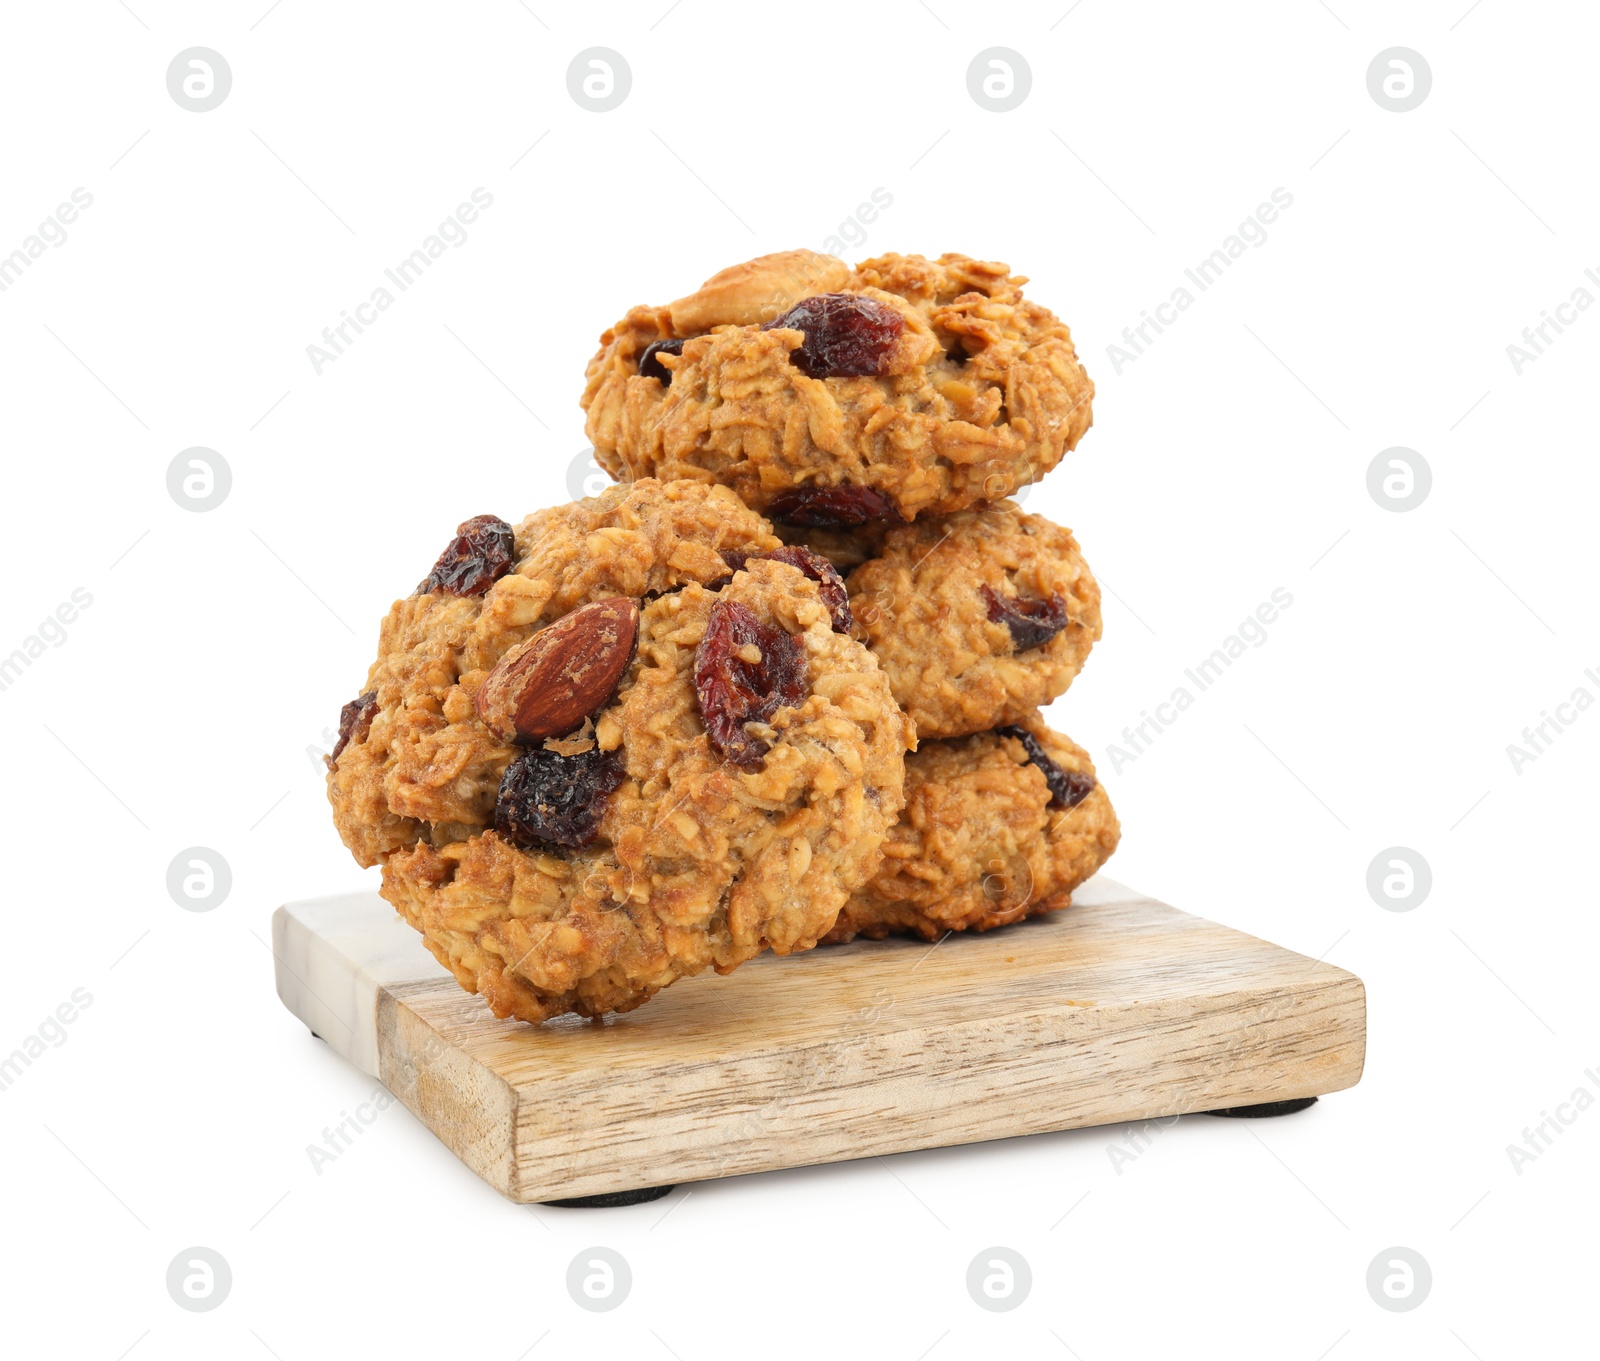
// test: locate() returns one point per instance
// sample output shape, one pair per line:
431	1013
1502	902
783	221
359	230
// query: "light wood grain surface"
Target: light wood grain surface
1118	1009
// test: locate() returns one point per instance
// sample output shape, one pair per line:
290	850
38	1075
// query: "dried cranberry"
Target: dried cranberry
482	552
830	584
651	367
1032	623
836	507
355	721
734	691
549	799
846	335
1068	788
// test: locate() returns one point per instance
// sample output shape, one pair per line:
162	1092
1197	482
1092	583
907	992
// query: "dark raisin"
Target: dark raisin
1068	788
355	721
837	507
830	584
733	691
1032	623
547	799
846	335
482	552
651	367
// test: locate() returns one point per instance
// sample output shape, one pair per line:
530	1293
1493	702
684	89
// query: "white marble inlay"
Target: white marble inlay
331	956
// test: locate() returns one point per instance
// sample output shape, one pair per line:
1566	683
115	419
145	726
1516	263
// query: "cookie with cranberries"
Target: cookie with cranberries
620	760
998	826
831	397
977	618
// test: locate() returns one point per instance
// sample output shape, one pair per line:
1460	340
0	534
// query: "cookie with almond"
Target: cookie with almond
642	750
829	396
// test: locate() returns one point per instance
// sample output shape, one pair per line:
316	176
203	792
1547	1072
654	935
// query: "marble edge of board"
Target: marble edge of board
331	956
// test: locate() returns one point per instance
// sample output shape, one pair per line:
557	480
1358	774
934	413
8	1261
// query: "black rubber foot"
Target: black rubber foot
1266	1109
610	1200
316	1036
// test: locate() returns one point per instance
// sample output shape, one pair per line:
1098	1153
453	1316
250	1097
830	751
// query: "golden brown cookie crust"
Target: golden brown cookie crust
426	758
697	862
979	844
983	394
922	608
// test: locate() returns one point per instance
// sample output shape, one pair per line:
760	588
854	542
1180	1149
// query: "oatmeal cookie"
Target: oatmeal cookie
997	827
595	775
417	763
978	618
831	396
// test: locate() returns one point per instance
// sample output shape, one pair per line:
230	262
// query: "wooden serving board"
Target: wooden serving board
1118	1009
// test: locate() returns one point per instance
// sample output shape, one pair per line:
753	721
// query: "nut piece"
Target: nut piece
758	290
548	685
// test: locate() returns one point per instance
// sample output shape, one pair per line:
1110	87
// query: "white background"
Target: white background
187	705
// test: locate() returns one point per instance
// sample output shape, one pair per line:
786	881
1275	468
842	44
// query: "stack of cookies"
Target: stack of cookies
779	686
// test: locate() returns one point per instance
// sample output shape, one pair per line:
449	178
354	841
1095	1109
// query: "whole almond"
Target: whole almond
548	685
757	290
